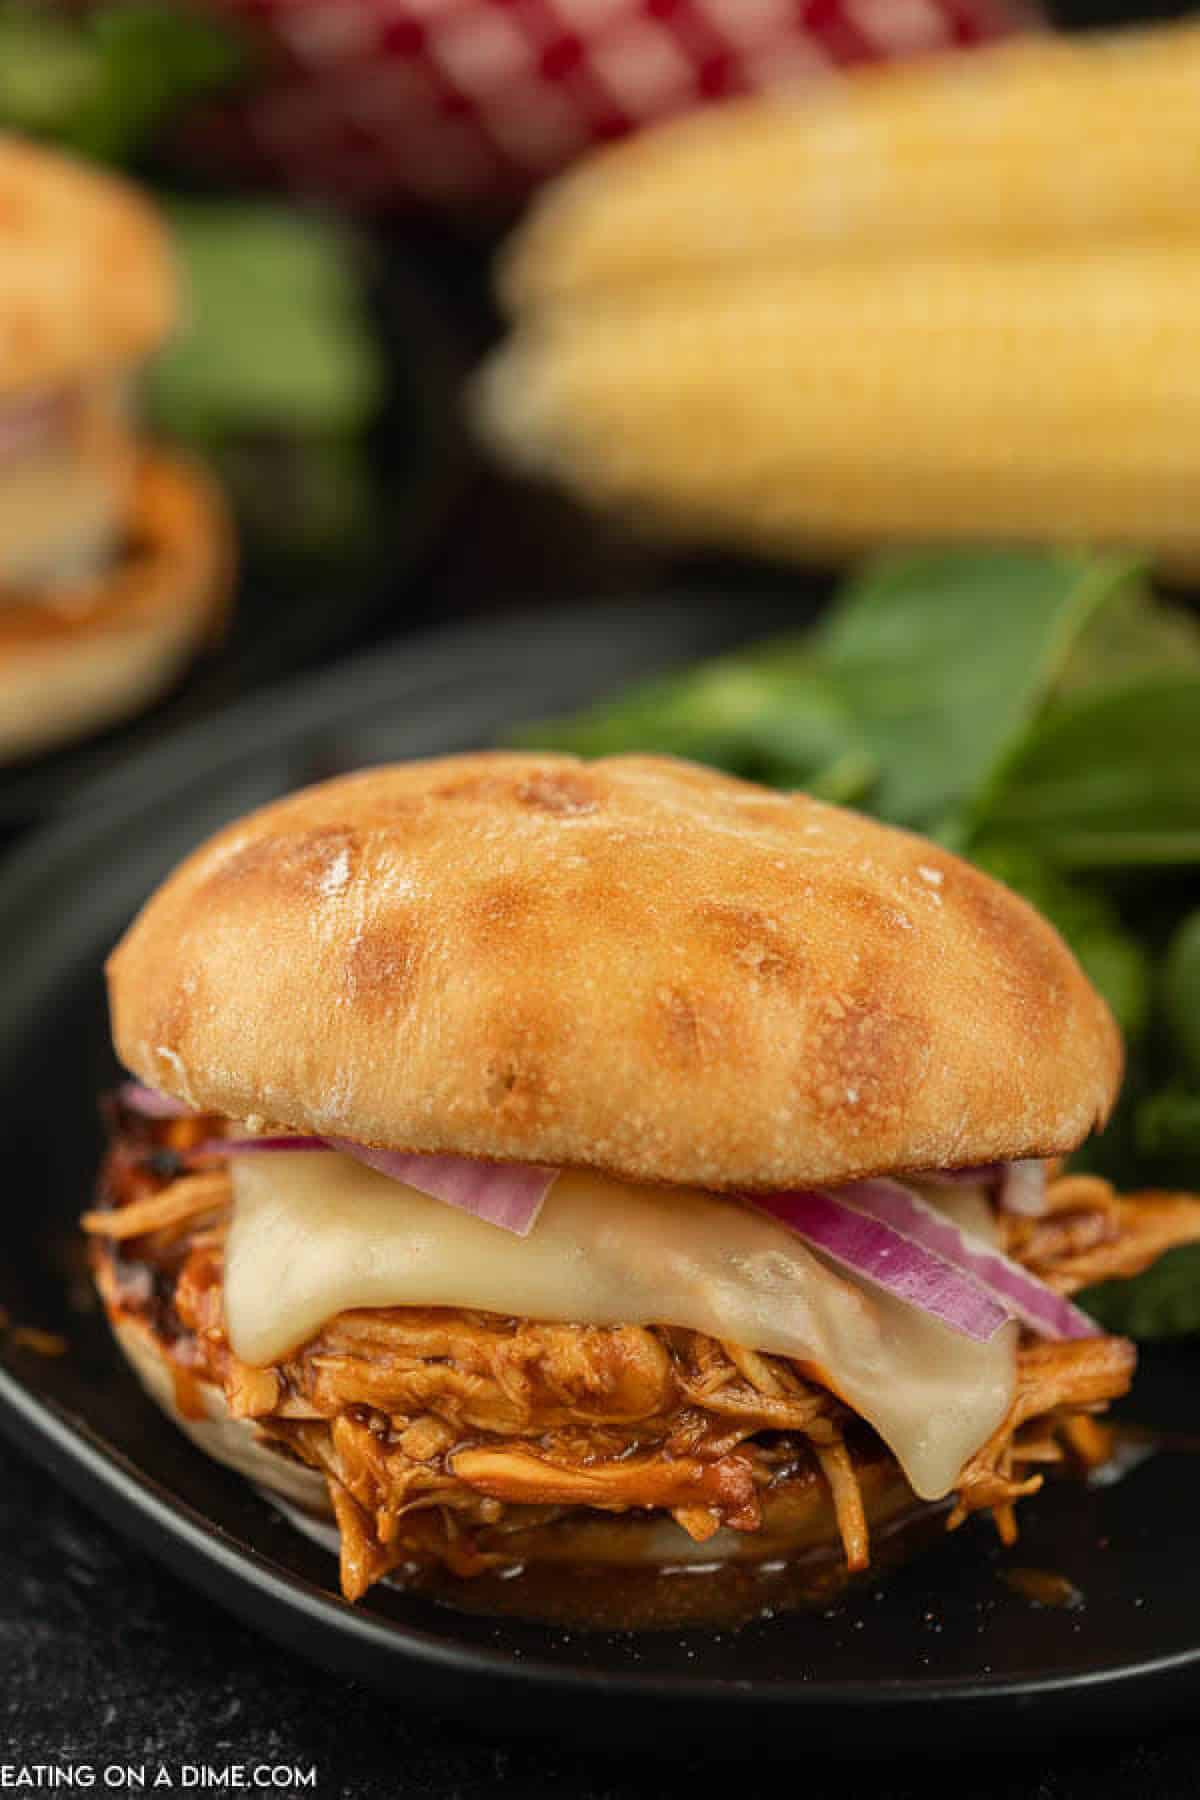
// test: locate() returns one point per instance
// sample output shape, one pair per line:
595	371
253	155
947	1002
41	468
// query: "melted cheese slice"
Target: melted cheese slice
316	1234
68	462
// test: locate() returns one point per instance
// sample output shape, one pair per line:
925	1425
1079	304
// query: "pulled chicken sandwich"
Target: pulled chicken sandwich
114	555
537	1162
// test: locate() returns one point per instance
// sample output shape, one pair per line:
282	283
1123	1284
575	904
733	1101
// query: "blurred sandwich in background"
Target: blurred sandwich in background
114	557
953	300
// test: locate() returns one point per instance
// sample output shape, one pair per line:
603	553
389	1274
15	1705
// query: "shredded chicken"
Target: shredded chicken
182	1203
514	1382
450	1435
1052	1379
837	1466
1090	1233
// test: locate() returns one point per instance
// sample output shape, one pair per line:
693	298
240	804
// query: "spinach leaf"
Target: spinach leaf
102	82
1181	997
1134	634
278	340
768	715
1168	1129
1105	781
945	658
906	698
1164	1302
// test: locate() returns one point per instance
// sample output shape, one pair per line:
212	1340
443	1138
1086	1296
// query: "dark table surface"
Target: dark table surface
107	1661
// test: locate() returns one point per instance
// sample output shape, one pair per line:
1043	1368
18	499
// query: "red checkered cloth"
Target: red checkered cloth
378	102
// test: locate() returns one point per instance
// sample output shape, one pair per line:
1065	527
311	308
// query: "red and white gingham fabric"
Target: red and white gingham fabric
379	102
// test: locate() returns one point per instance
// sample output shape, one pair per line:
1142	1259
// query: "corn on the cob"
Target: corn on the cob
1035	397
1046	141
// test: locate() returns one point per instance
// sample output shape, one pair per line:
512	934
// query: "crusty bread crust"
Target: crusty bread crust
637	965
86	275
81	658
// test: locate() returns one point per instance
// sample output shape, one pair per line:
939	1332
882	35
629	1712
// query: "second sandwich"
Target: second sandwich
114	557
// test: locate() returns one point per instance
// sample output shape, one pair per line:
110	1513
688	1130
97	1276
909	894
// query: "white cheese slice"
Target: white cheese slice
68	462
316	1234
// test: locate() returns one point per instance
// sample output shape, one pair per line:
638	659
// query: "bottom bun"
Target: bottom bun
800	1530
84	656
201	1410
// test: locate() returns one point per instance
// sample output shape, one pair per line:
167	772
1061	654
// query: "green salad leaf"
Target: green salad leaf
1181	997
1133	634
1168	1128
277	339
1167	1120
1164	1302
925	678
103	81
277	370
1105	780
944	660
769	715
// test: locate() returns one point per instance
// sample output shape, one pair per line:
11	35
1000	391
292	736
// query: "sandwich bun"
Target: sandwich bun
87	280
204	1416
635	965
102	648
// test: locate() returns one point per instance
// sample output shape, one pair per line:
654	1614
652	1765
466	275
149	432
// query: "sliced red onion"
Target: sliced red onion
872	1247
506	1194
1022	1188
879	1228
150	1103
27	423
1021	1294
238	1146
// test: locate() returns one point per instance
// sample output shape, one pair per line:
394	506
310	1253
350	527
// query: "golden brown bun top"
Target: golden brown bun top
634	964
86	277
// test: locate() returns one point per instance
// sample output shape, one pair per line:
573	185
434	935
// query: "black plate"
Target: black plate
941	1652
294	606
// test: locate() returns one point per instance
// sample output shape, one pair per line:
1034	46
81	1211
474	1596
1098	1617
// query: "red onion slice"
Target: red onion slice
880	1228
506	1194
874	1248
28	424
509	1195
239	1146
1012	1287
150	1103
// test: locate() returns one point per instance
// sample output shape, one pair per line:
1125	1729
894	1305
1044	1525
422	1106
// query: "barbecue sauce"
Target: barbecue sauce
675	1596
1044	1587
